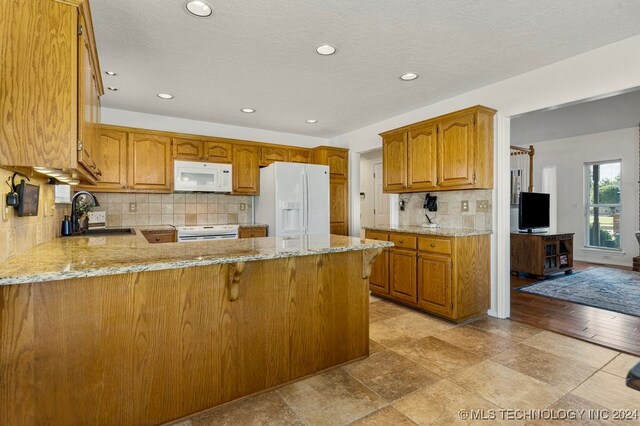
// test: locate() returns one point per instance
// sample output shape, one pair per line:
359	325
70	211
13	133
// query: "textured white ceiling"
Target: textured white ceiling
261	54
584	118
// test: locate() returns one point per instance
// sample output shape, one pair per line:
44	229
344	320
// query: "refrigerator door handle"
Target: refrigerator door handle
306	203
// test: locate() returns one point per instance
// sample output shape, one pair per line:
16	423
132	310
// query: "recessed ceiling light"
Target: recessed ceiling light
312	121
199	8
409	76
326	49
113	89
165	96
248	110
111	73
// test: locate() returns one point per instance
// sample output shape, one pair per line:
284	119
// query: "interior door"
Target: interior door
380	199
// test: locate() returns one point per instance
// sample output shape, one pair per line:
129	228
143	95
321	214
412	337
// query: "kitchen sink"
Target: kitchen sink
106	231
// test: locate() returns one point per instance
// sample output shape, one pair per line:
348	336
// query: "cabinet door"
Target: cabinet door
188	149
150	163
338	162
422	159
434	283
338	206
456	152
246	172
269	154
379	278
394	161
111	150
402	274
299	155
87	106
218	152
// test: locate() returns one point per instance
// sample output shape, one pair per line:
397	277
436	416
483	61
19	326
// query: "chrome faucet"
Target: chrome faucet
74	212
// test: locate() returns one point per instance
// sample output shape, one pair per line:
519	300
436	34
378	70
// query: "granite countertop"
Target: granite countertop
415	229
255	225
77	257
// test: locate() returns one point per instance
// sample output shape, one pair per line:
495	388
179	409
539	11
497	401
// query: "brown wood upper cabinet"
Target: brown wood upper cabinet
270	154
202	150
88	104
336	158
51	99
454	151
246	172
188	149
299	155
111	149
150	163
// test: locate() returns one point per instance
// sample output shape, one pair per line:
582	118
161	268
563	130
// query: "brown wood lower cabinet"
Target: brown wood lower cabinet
402	274
252	231
445	276
160	236
434	283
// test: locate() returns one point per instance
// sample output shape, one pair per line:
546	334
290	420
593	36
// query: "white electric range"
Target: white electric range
206	232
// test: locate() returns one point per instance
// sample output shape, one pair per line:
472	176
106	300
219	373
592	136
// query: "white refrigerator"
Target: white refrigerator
294	199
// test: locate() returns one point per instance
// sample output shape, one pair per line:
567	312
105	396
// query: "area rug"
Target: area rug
613	289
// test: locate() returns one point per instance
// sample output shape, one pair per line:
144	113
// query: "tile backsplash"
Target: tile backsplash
18	234
450	214
175	209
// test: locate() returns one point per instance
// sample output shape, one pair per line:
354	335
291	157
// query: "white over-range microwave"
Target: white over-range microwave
194	176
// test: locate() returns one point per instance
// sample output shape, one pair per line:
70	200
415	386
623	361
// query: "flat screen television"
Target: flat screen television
28	196
533	211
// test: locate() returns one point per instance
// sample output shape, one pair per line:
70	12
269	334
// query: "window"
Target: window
603	204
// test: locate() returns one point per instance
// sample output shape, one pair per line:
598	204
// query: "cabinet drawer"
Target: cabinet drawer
435	245
155	237
375	235
252	232
403	241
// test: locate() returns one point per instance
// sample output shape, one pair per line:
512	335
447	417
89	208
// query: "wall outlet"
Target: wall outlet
464	206
133	207
483	206
243	206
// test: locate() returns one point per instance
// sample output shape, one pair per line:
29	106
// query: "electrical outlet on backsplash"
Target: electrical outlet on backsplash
450	214
176	209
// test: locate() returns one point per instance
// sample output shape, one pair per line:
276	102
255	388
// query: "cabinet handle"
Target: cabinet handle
474	178
437	181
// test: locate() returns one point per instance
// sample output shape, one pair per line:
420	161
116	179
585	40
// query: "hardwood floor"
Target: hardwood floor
610	329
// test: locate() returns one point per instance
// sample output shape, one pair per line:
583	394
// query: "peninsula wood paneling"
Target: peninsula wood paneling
151	347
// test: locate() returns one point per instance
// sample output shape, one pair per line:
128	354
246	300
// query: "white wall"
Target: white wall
569	155
182	125
609	69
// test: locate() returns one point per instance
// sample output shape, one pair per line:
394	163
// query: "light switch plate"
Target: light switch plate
464	206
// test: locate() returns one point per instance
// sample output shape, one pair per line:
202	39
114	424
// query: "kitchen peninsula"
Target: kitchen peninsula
114	330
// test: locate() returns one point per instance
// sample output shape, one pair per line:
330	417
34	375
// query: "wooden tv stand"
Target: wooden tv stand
541	254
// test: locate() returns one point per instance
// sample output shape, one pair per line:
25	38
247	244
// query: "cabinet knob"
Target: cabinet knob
157	238
401	241
432	245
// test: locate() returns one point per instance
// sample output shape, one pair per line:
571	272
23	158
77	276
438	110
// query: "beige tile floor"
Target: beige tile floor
424	371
